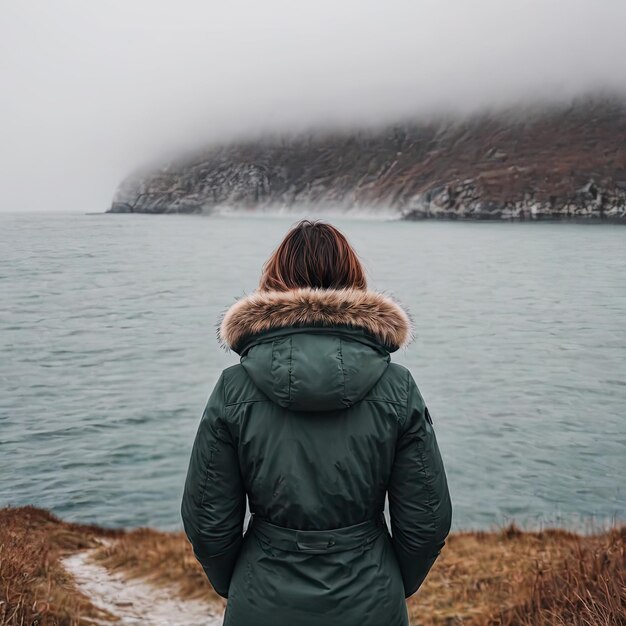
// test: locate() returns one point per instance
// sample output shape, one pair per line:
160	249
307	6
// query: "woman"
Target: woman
315	426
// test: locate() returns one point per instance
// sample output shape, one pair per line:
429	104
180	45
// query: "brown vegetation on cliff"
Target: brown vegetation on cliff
558	163
505	578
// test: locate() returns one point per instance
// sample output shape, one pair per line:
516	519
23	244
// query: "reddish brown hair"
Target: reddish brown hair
313	254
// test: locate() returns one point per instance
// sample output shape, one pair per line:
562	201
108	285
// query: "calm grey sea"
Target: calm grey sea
108	353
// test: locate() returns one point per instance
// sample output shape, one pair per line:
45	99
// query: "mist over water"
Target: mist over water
90	92
109	352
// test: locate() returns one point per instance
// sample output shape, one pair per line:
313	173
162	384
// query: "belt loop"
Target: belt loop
256	527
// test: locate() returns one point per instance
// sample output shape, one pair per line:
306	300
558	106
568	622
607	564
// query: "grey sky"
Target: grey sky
90	90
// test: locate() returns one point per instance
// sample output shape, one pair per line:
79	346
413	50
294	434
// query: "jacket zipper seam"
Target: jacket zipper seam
213	447
290	371
343	371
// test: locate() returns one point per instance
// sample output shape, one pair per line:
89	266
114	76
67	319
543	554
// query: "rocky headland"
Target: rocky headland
558	163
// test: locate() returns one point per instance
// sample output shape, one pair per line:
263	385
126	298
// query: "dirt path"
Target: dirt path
136	602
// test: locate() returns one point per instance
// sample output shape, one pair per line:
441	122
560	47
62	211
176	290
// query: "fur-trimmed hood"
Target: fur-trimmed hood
375	313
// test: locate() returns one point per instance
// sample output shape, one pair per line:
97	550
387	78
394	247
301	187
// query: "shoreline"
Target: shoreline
573	219
65	573
562	162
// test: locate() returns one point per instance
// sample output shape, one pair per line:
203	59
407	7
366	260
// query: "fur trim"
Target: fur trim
261	311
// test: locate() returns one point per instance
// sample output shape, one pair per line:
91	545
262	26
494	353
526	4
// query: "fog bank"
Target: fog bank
90	91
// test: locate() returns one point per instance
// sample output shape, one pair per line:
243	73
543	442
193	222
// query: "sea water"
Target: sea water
108	352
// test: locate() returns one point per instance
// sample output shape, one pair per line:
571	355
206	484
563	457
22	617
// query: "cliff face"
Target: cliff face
557	164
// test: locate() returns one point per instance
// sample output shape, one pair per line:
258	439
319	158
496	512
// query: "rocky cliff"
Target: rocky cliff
561	163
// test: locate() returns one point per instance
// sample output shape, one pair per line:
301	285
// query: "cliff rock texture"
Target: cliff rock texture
558	163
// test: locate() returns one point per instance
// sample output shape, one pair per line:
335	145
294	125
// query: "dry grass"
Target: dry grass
506	578
515	578
160	558
587	588
34	587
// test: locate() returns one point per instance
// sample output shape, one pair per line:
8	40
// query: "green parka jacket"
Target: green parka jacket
316	426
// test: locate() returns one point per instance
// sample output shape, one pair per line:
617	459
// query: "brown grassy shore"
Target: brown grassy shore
506	578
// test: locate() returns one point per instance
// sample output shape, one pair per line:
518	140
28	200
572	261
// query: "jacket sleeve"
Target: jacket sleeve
214	499
419	501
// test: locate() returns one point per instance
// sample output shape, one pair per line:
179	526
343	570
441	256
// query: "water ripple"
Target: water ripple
107	336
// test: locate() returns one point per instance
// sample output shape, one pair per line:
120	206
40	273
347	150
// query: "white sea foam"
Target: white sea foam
335	211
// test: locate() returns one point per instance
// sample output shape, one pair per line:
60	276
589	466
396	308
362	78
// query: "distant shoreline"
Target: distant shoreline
560	163
555	219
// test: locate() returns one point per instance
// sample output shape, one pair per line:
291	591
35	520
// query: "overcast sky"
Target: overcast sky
91	90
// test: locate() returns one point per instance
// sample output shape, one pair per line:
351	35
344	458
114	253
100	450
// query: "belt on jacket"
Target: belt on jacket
318	541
